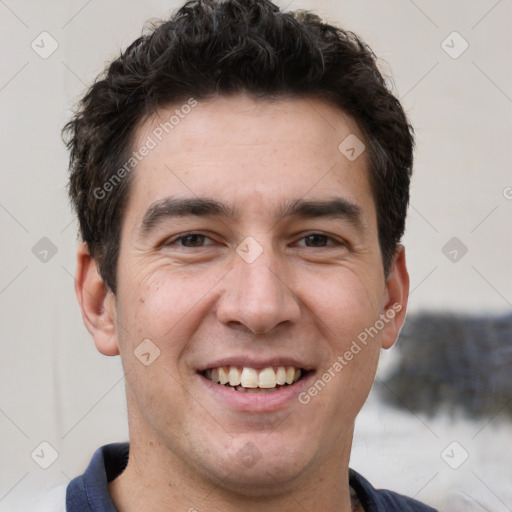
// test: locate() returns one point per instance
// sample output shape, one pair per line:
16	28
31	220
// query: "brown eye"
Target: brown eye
193	240
316	240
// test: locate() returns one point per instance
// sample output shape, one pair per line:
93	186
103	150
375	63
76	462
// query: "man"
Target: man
241	180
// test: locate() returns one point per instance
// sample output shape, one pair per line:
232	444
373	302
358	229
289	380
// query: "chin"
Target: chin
260	467
266	478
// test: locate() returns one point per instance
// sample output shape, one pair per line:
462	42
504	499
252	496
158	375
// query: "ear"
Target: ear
397	293
97	303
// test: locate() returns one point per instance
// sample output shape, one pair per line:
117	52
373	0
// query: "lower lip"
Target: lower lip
257	402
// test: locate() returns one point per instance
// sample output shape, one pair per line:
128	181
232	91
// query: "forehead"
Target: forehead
257	153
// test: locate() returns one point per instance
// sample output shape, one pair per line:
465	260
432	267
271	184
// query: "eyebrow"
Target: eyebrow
170	207
167	208
335	207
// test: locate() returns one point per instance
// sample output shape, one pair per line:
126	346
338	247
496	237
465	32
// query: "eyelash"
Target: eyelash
184	236
334	242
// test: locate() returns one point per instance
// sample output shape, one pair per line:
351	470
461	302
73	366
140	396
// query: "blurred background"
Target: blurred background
438	423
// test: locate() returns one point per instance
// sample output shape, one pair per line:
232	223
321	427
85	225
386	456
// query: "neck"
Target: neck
156	479
169	471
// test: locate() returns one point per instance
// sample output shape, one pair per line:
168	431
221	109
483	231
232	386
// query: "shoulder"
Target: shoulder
90	490
380	500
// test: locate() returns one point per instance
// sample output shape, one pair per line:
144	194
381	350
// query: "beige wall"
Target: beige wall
54	386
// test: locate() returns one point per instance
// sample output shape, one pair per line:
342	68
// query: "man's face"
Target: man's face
250	241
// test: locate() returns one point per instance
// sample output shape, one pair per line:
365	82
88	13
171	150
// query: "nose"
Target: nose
257	297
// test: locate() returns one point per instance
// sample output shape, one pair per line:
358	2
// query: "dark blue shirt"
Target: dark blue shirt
89	492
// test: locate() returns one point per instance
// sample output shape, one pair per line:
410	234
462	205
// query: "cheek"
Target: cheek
346	309
165	303
345	304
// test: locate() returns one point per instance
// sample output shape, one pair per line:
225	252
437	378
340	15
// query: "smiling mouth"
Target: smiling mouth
251	380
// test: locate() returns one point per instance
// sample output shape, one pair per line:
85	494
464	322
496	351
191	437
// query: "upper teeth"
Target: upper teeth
252	378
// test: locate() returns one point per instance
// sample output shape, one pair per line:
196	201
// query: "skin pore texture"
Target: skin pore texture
317	283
